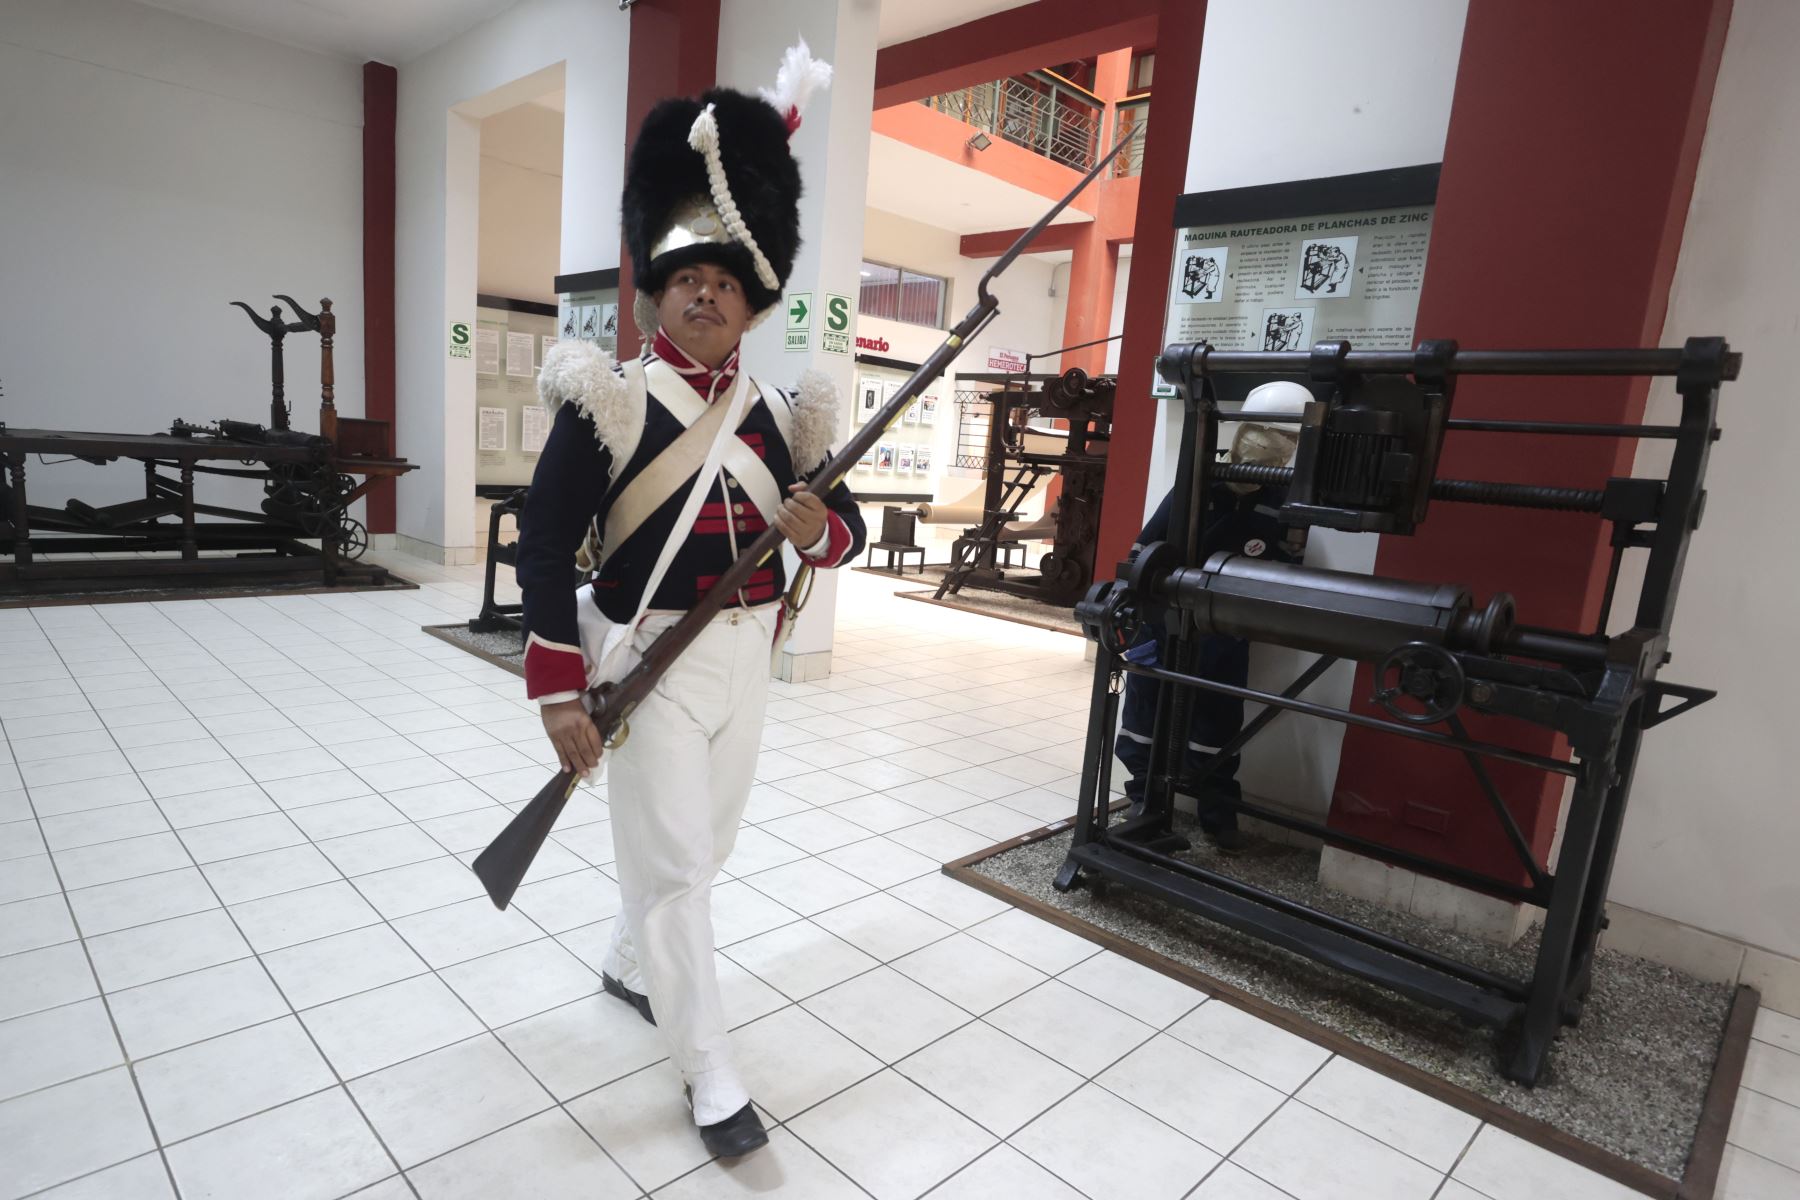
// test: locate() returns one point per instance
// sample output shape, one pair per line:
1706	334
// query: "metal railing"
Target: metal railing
1037	111
1130	115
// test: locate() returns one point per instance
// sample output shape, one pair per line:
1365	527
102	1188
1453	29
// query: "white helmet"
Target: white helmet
1273	445
1282	396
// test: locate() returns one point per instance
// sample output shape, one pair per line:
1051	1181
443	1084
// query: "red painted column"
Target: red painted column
674	51
1094	269
1568	166
1093	273
1179	27
380	83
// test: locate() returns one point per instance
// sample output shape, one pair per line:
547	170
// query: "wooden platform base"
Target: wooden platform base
1698	1182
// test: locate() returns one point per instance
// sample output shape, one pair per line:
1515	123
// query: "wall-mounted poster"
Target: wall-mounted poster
487	351
519	348
928	409
609	321
884	457
534	428
589	329
922	459
547	344
911	416
868	397
867	460
1286	283
507	455
903	459
568	320
490	430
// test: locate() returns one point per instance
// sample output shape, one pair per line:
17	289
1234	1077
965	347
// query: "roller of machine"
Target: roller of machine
1333	612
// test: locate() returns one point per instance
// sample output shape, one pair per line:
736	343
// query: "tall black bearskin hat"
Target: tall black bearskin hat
713	180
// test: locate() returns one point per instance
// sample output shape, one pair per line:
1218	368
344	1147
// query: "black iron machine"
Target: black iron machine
1367	460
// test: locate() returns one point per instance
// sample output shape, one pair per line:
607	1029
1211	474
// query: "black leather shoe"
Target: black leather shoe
637	1000
736	1135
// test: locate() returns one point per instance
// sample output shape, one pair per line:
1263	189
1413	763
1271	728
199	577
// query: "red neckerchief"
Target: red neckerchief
703	379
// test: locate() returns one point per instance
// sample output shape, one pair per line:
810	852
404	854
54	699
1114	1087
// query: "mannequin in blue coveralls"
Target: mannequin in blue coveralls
1241	519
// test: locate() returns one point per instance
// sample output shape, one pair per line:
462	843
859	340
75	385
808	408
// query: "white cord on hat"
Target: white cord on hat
799	76
704	137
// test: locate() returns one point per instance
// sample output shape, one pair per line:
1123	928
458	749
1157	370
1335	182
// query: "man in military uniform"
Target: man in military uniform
711	221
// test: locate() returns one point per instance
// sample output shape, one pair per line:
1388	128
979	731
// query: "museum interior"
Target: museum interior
1151	689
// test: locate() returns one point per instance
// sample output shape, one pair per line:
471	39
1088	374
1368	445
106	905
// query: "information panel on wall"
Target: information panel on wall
510	343
1249	280
905	462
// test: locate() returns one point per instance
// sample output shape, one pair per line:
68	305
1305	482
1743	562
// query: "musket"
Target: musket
503	864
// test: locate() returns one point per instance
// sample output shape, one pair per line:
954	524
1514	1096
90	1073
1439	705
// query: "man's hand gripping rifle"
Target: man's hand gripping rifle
503	864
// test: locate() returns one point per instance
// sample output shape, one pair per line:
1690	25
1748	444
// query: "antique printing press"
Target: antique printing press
1367	460
1018	457
308	482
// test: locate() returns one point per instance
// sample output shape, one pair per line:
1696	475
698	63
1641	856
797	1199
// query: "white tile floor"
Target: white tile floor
241	954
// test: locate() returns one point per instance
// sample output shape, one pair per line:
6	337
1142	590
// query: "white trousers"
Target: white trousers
677	790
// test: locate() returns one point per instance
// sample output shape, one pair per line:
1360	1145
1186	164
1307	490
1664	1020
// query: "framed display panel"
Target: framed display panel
907	472
511	337
1281	266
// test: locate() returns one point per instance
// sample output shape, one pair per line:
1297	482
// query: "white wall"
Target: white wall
152	169
1030	318
1264	113
1711	836
443	96
832	148
1116	323
521	203
1299	89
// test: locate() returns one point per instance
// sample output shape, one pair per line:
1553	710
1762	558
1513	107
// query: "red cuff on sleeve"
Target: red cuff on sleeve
552	667
838	547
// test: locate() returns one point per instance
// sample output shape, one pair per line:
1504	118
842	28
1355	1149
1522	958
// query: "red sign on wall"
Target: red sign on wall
1005	360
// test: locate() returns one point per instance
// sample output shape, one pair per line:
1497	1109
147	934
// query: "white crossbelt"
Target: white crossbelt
652	487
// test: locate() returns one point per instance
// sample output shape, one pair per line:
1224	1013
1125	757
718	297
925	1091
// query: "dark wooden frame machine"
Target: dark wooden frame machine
1014	468
1367	460
308	482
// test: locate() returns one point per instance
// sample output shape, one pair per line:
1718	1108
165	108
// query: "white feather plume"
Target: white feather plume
799	77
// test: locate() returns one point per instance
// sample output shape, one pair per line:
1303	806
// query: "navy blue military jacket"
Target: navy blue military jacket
575	483
1249	525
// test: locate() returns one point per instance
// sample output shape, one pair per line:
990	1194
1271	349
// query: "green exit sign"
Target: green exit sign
836	336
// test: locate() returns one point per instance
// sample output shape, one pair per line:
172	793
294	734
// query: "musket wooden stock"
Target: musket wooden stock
504	863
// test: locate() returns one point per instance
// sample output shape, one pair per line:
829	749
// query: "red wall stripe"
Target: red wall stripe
380	86
674	51
1558	224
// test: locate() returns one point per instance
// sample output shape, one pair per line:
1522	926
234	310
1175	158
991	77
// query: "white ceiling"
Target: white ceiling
923	187
904	20
394	31
391	31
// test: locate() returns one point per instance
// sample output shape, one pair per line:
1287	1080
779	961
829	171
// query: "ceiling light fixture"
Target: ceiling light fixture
980	141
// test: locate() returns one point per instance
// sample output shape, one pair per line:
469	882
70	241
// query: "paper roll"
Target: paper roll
951	514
